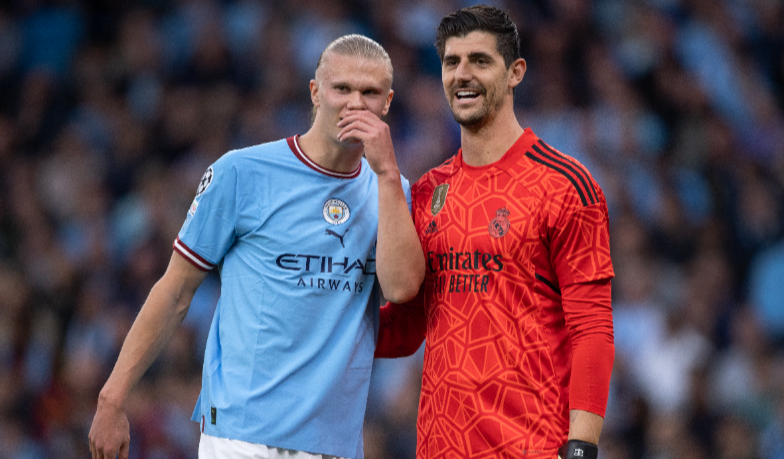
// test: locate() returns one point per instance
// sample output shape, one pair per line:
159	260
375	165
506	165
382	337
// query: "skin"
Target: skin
350	95
489	127
158	319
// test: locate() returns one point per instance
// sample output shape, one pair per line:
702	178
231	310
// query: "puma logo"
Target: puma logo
339	236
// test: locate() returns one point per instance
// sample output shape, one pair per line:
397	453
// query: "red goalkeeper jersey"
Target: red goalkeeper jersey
517	288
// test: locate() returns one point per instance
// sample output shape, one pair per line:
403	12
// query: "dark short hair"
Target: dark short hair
483	18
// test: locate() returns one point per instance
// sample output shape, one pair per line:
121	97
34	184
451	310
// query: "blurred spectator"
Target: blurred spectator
110	113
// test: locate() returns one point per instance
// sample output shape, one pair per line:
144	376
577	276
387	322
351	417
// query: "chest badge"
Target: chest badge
499	226
335	212
439	198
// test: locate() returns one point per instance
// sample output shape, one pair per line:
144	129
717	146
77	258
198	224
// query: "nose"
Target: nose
462	72
355	101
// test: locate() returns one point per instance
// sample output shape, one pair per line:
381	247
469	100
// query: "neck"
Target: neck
329	152
486	143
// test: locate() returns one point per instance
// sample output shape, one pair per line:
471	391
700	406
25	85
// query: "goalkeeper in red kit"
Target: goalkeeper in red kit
515	307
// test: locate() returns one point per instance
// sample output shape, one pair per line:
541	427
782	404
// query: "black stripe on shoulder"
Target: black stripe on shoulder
577	169
548	283
563	172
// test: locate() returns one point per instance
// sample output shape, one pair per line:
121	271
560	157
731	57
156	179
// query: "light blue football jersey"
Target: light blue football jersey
291	344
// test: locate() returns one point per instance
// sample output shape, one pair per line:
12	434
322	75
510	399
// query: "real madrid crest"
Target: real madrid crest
439	198
499	226
335	211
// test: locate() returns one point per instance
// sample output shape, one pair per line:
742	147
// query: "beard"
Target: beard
477	116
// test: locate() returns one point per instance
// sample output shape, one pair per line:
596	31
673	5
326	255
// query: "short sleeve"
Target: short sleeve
210	226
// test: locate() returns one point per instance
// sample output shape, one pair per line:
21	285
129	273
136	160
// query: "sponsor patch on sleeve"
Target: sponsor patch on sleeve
194	206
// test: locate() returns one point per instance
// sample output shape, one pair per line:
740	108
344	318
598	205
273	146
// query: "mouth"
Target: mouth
467	95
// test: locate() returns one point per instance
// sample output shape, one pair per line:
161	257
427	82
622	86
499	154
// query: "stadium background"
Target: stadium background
110	112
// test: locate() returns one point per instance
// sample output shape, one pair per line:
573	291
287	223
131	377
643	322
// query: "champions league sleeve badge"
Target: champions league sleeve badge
205	182
439	198
335	211
499	226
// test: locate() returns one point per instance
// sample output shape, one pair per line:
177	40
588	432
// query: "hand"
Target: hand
109	433
366	127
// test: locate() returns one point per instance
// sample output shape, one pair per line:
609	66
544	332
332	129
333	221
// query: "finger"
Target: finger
348	121
363	125
365	115
352	134
354	130
106	453
124	449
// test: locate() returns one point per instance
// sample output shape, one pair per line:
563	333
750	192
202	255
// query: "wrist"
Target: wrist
391	174
578	449
109	397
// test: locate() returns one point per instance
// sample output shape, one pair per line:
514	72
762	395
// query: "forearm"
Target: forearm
400	265
588	312
150	332
585	426
164	309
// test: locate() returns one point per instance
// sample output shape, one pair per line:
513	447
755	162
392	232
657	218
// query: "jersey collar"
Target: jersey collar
295	148
521	145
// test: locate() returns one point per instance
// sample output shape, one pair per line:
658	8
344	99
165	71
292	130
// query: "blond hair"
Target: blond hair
358	46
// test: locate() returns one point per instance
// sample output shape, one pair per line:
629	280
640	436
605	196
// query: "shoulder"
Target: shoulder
256	152
246	159
434	177
562	176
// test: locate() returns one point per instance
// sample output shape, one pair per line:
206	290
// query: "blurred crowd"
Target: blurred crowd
110	112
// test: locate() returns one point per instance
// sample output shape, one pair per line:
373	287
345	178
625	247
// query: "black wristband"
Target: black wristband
578	449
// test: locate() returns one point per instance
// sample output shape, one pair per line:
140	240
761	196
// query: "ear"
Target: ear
386	104
516	72
314	95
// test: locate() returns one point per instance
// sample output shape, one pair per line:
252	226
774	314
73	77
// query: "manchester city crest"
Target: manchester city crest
499	226
439	198
336	212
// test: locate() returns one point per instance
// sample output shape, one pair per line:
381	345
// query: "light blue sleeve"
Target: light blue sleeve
406	190
210	227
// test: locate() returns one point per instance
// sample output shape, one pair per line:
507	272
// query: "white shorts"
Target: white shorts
224	448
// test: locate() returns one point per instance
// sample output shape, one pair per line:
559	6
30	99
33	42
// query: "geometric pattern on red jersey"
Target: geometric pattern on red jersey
495	376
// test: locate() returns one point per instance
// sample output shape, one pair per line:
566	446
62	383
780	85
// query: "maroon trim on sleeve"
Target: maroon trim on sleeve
194	258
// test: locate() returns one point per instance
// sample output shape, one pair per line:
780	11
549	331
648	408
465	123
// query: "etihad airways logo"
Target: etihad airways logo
324	264
313	265
472	282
